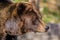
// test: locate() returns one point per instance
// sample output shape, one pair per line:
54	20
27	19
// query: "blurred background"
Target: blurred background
50	10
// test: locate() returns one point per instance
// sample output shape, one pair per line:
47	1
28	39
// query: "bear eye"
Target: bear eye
35	22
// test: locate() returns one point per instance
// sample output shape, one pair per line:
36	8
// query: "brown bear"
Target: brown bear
19	18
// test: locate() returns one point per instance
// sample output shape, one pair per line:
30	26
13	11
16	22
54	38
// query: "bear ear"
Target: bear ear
21	8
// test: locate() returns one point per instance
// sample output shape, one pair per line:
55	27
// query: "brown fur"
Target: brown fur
19	18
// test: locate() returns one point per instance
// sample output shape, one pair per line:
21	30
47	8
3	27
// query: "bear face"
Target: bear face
24	18
20	18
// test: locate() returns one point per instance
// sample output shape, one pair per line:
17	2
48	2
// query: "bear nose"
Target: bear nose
46	29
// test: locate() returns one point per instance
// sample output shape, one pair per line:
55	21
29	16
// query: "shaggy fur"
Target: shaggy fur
19	18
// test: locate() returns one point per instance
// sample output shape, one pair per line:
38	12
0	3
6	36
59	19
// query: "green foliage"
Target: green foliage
16	0
20	0
56	14
44	1
50	15
46	10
